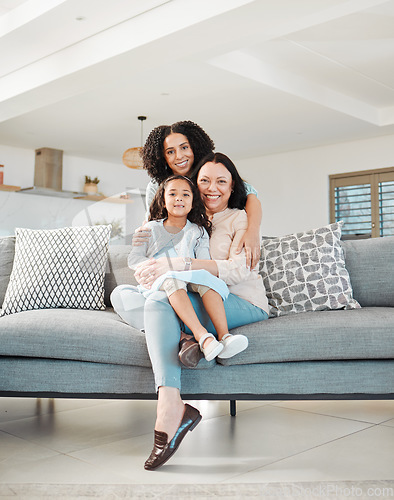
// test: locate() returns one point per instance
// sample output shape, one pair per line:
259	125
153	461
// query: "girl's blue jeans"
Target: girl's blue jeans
162	326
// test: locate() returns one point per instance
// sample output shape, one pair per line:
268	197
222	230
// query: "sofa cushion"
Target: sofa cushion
102	337
366	333
73	334
58	268
7	249
371	268
306	272
77	335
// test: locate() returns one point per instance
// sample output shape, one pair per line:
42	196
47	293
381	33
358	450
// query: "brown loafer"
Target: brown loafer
162	450
189	353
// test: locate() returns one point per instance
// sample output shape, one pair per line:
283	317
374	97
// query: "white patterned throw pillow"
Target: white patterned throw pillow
58	268
306	272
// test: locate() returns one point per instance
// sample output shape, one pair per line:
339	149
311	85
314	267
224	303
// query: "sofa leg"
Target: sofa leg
233	407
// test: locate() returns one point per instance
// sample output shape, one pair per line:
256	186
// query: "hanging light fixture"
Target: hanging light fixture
132	157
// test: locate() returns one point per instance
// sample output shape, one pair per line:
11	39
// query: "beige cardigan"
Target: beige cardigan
228	228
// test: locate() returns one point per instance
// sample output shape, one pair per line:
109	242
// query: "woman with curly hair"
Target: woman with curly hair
174	150
160	152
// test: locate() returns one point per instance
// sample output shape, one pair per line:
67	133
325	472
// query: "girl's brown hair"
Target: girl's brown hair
197	214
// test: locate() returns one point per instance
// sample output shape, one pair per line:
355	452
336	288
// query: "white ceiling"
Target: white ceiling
261	76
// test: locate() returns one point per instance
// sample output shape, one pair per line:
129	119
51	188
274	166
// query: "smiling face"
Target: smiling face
178	198
178	154
215	184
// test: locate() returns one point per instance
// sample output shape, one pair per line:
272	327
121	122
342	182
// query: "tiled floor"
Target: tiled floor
106	442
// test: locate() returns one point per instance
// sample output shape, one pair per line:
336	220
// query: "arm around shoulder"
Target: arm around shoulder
251	238
151	190
139	253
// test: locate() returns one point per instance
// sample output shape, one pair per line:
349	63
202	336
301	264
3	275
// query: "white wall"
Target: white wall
294	187
18	165
114	178
34	211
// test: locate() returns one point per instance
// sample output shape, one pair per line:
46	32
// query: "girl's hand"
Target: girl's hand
251	242
141	235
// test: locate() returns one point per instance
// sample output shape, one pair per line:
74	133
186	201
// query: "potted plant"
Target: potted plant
90	186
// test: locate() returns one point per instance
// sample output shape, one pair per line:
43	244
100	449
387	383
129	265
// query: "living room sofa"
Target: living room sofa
329	354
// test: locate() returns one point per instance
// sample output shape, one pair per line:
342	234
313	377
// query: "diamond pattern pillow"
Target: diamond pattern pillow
306	272
58	268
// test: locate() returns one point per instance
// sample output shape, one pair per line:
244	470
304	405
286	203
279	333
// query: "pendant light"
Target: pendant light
132	157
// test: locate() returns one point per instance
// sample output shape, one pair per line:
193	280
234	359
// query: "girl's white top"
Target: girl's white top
192	241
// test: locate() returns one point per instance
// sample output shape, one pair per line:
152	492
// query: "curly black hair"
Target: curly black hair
238	195
197	213
153	150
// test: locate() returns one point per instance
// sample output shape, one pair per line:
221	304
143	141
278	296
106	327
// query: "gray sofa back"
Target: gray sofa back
117	271
370	264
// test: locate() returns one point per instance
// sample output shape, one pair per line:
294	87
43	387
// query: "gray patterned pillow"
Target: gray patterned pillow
58	268
306	272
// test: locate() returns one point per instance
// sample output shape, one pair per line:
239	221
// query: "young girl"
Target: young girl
180	228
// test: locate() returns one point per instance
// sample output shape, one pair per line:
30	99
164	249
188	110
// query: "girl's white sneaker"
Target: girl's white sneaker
232	345
213	348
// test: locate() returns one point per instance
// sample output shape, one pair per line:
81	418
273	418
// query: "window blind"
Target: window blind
364	201
386	208
353	206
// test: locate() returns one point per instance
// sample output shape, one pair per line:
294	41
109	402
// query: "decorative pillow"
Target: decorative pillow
58	268
306	272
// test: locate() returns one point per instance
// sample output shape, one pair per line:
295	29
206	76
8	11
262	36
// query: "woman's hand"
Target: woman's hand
141	235
147	272
251	242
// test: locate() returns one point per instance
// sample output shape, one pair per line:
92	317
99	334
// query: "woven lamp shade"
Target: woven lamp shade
132	158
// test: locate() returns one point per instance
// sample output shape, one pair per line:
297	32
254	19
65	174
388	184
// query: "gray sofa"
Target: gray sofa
314	355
